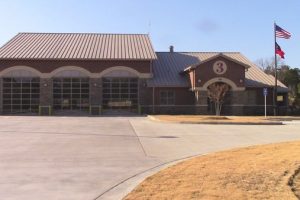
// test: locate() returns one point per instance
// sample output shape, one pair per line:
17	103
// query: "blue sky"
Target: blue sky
192	25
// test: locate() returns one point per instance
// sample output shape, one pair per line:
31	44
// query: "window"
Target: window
167	97
280	98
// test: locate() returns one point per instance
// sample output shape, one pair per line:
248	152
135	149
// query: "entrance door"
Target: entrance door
21	94
71	94
120	94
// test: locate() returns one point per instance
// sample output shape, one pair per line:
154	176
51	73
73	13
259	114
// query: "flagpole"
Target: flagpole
275	87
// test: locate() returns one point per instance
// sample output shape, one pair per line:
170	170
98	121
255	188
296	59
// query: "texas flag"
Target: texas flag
279	51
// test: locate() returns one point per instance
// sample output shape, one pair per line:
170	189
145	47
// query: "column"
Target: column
95	96
46	96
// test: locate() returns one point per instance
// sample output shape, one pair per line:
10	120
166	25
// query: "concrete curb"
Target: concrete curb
219	123
126	186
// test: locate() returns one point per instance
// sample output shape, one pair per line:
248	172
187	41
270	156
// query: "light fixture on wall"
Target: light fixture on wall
45	84
95	84
199	80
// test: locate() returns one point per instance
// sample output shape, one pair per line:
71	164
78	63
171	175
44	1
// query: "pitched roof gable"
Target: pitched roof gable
214	57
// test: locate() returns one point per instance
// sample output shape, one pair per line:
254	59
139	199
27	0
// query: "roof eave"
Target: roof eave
75	59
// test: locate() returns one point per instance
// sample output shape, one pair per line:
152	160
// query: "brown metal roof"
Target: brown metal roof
78	46
168	67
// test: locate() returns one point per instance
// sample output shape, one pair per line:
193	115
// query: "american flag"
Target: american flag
281	33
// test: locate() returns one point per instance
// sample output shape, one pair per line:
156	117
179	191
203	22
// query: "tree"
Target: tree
285	74
216	93
291	78
268	64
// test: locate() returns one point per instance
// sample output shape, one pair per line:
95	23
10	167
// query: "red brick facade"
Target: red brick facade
186	99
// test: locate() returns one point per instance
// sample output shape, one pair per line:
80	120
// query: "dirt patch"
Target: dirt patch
211	119
260	172
215	118
284	118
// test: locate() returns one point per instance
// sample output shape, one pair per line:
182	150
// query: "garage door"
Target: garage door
71	93
120	93
21	95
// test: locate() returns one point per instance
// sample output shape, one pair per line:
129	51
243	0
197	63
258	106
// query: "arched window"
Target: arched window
70	74
20	73
21	90
120	74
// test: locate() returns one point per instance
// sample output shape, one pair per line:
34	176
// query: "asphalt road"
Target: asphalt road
89	158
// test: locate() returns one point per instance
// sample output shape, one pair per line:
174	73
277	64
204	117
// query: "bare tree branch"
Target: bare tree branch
216	93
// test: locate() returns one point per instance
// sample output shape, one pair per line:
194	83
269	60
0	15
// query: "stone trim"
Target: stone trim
76	68
220	79
122	68
66	68
21	67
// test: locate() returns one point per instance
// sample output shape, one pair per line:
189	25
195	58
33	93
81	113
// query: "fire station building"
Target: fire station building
94	74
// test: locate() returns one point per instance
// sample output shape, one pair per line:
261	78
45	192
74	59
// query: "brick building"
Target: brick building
83	73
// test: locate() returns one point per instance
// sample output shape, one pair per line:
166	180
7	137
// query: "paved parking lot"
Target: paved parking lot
85	158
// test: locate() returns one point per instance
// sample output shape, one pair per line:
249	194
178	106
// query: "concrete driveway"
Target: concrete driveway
89	158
